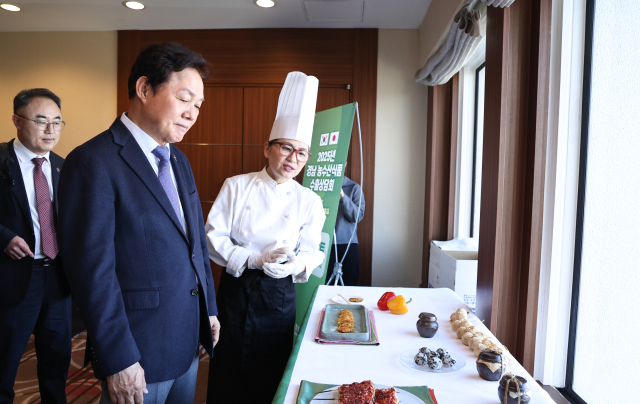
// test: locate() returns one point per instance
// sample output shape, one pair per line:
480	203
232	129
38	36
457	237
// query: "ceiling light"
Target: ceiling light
265	3
134	5
10	7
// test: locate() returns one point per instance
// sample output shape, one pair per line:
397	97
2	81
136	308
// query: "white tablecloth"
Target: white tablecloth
338	364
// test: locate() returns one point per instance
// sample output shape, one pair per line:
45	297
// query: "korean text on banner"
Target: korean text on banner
323	174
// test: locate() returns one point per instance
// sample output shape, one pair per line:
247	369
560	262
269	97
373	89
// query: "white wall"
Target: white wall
80	67
401	129
435	24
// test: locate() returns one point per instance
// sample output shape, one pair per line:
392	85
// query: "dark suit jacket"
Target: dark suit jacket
133	271
15	220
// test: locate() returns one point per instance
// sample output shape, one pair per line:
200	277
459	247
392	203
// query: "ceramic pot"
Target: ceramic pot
489	366
525	391
427	325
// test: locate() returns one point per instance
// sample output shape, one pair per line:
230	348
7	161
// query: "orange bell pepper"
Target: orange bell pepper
398	305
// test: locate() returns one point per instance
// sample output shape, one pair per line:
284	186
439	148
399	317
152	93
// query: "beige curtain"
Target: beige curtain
461	42
499	3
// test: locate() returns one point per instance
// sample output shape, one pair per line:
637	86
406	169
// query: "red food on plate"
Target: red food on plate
386	396
357	393
382	303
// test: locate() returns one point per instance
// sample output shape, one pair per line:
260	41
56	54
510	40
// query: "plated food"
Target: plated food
366	393
357	393
347	300
346	322
471	335
383	394
386	396
432	360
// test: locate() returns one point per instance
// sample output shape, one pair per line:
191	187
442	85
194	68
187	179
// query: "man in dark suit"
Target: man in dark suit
132	237
34	294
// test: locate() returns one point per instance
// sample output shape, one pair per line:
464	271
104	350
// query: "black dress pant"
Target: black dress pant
350	265
257	316
46	313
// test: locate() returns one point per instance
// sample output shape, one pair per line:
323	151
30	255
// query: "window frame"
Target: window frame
475	149
467	96
569	393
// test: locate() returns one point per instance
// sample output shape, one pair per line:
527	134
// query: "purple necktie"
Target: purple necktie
164	175
45	210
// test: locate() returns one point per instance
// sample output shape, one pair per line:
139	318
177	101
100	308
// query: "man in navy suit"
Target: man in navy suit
132	237
34	294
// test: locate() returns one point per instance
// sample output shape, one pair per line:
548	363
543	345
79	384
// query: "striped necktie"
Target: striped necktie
164	175
45	210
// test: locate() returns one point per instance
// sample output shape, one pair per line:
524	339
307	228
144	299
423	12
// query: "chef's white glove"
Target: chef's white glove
291	267
257	261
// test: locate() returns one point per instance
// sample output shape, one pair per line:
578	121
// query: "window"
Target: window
478	132
602	353
469	143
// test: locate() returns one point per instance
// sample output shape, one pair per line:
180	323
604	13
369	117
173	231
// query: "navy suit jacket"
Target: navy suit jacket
133	271
15	220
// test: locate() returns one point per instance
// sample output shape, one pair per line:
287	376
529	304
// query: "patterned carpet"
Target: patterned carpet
82	386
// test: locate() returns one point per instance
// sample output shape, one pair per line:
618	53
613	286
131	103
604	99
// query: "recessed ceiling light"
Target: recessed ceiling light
134	5
265	3
10	7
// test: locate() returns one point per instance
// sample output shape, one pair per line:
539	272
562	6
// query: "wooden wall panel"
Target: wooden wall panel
216	270
206	207
128	49
260	107
253	159
219	121
332	97
437	175
265	56
539	78
211	165
364	90
516	101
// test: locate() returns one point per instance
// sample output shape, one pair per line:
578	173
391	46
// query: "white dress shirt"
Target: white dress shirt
26	167
148	144
254	214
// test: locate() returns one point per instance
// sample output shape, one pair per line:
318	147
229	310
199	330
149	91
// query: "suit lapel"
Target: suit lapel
137	161
18	189
183	193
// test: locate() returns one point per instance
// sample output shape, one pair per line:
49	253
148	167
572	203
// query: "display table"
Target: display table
338	364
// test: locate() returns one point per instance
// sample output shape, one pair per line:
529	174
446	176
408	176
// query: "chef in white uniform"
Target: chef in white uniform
264	228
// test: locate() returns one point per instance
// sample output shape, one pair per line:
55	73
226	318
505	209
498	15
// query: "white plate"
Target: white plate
407	359
403	396
338	300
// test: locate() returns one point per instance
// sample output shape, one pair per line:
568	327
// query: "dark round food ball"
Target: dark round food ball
435	363
448	361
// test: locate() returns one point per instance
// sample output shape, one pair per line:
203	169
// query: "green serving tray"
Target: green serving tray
361	322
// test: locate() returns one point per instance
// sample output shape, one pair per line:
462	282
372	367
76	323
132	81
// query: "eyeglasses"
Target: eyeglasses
286	149
42	125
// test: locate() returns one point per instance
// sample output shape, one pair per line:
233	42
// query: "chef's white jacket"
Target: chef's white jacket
254	214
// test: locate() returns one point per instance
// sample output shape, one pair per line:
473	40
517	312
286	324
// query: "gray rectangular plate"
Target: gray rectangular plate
330	323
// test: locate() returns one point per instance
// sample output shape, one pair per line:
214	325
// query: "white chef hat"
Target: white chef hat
296	108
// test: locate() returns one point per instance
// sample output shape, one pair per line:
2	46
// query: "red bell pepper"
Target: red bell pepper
382	303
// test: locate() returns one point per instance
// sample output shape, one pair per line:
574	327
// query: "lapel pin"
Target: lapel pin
57	169
174	157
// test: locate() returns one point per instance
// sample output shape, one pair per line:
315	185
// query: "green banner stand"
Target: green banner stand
323	174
